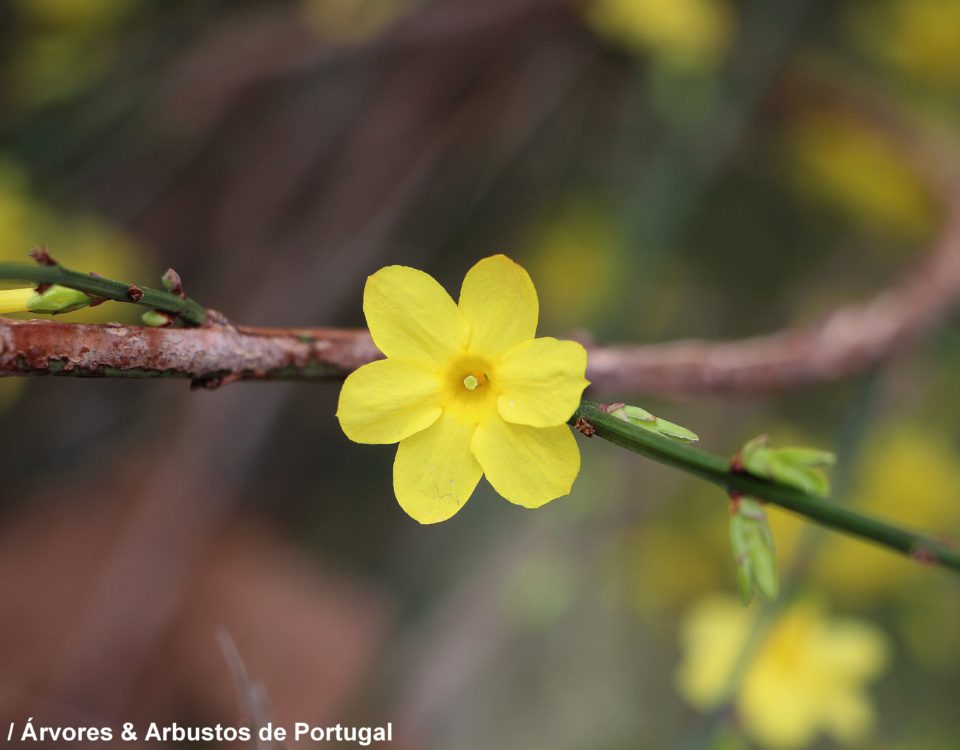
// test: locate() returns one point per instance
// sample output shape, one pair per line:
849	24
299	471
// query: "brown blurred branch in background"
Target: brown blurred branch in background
850	340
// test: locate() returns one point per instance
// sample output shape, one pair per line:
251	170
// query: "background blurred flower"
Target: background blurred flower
65	46
848	165
805	675
576	255
354	20
680	33
921	38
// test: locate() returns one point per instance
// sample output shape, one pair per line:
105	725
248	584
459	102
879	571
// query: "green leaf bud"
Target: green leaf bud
753	551
58	299
675	431
640	417
156	319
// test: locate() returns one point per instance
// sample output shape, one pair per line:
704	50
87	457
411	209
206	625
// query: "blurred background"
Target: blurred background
692	168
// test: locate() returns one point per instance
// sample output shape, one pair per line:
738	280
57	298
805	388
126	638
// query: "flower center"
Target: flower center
471	391
474	380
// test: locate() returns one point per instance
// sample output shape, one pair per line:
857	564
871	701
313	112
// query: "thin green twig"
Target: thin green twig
189	311
717	470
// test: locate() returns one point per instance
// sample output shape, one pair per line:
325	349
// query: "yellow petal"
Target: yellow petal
499	300
541	381
388	400
712	635
855	648
411	316
529	466
435	473
849	716
15	300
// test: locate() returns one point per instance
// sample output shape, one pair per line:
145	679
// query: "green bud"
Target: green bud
755	456
794	466
784	471
155	319
741	557
753	551
675	431
635	413
809	457
57	299
171	282
640	417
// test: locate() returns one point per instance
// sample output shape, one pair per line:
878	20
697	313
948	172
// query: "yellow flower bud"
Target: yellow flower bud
15	300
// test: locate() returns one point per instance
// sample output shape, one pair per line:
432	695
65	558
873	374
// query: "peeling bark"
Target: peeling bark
208	356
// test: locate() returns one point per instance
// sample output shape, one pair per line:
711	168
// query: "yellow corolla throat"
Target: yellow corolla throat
471	391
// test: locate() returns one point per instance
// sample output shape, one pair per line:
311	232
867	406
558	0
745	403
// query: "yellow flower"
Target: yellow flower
806	675
15	300
855	168
919	37
683	33
465	389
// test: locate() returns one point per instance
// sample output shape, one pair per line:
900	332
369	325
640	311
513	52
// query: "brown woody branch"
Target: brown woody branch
209	356
850	340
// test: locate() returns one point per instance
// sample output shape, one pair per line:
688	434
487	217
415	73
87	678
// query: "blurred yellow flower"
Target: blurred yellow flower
354	20
660	574
920	37
805	675
465	389
680	33
853	167
64	46
580	241
70	13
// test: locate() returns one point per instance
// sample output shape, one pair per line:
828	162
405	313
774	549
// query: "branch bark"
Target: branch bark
209	356
850	340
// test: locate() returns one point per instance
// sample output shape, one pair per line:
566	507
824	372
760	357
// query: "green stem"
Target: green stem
717	470
186	309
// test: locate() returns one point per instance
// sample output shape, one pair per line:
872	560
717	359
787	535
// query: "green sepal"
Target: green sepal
58	299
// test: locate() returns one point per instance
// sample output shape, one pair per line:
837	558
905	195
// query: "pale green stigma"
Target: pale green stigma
470	382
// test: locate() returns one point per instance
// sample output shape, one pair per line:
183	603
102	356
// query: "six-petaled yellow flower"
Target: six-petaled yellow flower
466	389
807	675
